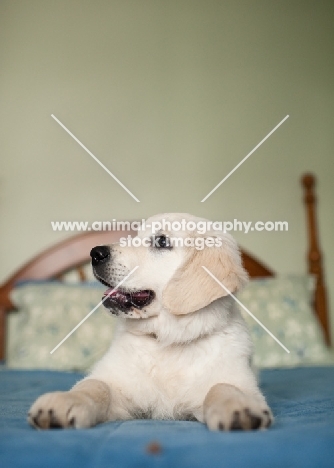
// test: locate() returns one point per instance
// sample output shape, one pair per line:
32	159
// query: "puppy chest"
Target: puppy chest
170	380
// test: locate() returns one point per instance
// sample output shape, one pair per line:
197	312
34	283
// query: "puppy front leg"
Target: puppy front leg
85	405
228	408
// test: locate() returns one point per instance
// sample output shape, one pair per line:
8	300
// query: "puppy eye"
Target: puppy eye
162	242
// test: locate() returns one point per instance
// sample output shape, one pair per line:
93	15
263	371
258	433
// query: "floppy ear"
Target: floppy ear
192	288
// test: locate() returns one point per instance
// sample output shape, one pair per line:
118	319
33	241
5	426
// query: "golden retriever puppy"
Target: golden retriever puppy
181	350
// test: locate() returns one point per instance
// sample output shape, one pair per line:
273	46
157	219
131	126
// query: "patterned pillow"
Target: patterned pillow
46	313
282	304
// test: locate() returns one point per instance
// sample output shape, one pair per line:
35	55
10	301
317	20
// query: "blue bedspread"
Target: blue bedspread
302	400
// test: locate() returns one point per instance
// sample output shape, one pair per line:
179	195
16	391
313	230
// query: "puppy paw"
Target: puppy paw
61	410
237	412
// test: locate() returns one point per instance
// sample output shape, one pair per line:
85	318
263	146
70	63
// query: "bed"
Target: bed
301	397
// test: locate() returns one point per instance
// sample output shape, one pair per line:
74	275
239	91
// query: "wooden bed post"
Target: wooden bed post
314	257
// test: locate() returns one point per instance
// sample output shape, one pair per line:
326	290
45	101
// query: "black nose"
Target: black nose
100	254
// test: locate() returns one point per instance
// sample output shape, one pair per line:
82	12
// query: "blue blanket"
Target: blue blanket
302	400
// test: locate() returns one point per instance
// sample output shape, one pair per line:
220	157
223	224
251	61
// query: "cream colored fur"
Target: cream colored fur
184	356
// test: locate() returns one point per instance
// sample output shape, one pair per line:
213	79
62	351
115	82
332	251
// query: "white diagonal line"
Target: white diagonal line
245	308
94	157
243	160
92	311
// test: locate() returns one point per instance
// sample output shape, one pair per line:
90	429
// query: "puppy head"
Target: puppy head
169	275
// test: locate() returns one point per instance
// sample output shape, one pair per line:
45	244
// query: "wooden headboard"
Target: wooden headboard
73	253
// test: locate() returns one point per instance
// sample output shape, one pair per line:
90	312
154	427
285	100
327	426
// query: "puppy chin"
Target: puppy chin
128	313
